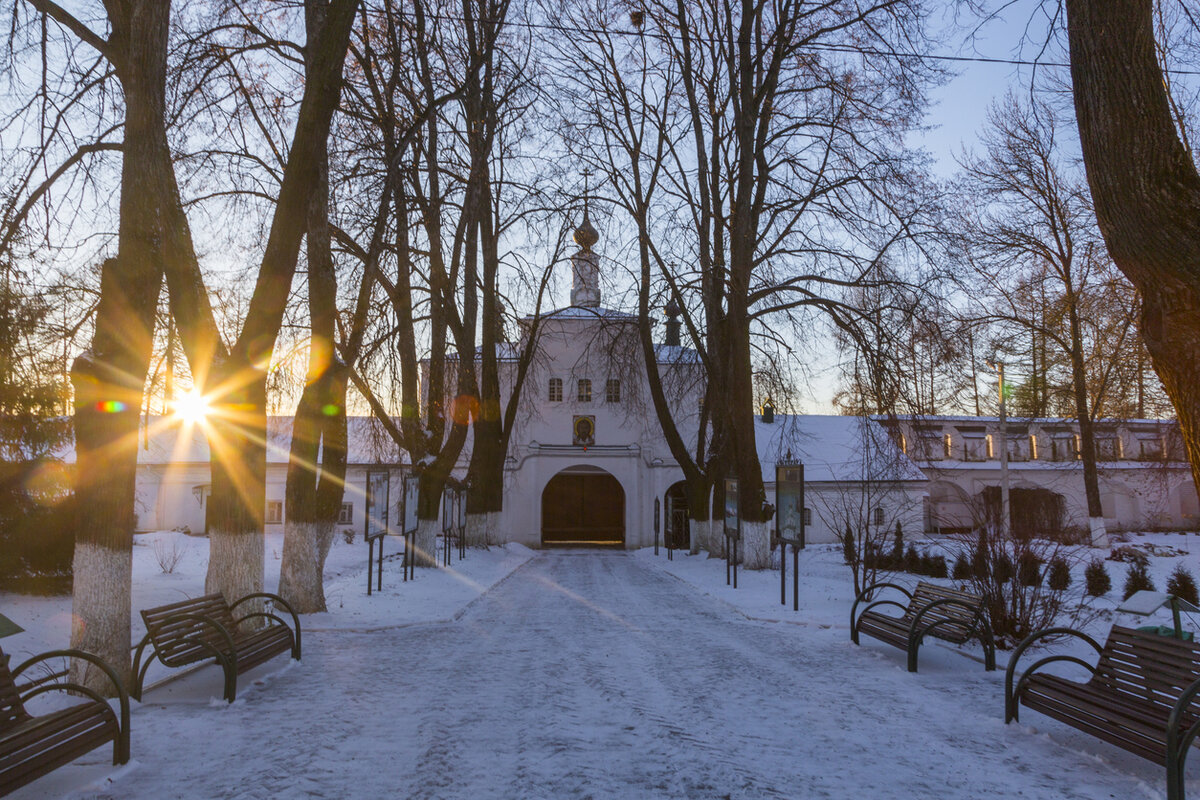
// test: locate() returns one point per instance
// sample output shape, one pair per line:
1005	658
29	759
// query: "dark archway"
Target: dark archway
675	513
583	507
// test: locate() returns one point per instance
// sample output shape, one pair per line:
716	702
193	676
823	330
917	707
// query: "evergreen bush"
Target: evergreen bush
1096	580
937	567
848	546
1060	574
1002	569
912	560
1136	579
1029	570
962	568
898	544
1183	585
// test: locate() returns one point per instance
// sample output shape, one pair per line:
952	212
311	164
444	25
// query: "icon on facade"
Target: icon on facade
584	430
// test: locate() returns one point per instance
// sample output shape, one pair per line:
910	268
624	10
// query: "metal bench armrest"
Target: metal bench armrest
1010	700
43	686
867	592
279	602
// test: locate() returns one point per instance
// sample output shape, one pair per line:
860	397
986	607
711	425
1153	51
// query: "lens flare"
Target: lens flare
192	408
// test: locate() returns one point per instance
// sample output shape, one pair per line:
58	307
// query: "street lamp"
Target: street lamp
998	366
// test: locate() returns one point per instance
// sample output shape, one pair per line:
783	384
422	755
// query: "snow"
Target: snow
598	674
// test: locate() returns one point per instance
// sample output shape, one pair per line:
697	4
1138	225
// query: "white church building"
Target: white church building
588	463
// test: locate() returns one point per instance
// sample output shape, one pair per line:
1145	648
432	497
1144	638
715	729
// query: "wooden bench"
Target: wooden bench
1141	695
931	610
191	631
32	746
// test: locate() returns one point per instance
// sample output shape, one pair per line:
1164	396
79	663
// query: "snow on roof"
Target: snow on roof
169	442
674	354
587	312
832	448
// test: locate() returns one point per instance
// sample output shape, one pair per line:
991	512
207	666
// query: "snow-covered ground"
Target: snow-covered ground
592	674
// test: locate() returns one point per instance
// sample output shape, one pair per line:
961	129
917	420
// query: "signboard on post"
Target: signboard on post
408	523
412	485
375	521
789	524
789	503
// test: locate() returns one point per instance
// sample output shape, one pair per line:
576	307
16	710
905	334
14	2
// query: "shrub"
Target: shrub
848	552
898	544
912	560
1096	580
1029	570
1136	579
937	567
168	553
962	568
1060	574
1002	569
1183	585
979	558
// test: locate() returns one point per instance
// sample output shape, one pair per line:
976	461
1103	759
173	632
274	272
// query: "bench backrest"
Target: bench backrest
178	641
12	710
1147	666
959	621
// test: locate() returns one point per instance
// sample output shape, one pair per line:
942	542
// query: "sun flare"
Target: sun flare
192	408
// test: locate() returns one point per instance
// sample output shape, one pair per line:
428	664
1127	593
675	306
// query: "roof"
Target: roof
832	448
587	312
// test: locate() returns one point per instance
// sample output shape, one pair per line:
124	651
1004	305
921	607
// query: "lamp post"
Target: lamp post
1004	506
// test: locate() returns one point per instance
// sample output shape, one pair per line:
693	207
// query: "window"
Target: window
274	512
346	515
583	391
1150	448
807	517
1064	447
878	515
975	447
556	390
612	391
1108	447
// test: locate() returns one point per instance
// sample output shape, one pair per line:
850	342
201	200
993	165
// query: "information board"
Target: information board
378	490
412	485
733	524
789	502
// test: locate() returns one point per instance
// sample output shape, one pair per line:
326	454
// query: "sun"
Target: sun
192	408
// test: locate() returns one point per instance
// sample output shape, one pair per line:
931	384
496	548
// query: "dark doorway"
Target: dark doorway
583	507
676	512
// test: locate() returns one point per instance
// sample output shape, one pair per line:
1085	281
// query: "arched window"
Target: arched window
556	390
584	391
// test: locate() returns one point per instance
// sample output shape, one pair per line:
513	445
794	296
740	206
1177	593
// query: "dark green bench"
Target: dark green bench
192	631
1141	695
32	746
948	614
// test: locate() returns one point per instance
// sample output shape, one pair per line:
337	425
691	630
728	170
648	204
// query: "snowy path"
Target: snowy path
592	675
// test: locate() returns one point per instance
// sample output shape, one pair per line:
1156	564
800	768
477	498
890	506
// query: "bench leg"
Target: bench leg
913	645
138	675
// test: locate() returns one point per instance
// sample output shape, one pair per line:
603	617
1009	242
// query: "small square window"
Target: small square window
584	391
612	391
346	515
556	390
274	512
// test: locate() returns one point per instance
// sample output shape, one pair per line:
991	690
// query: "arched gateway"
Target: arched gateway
583	506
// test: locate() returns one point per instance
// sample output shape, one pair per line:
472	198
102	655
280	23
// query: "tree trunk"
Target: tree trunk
237	439
109	380
1145	188
1087	433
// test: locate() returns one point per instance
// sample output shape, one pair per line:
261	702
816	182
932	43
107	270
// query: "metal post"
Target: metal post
370	563
796	576
379	581
656	515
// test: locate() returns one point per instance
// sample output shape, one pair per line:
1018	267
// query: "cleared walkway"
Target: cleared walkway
590	675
